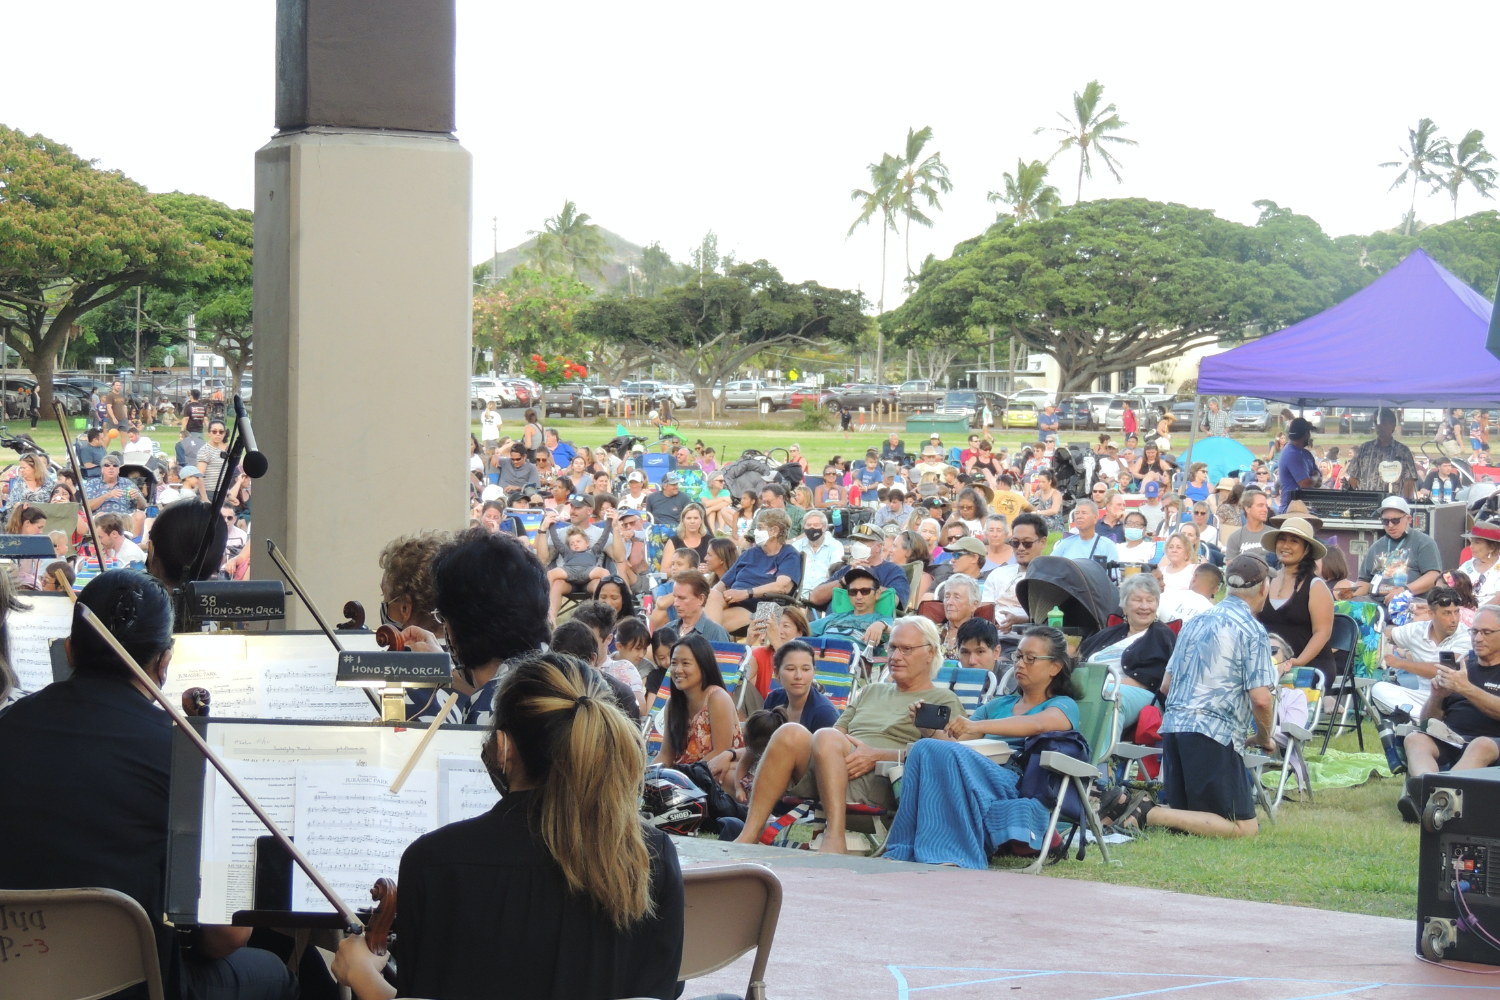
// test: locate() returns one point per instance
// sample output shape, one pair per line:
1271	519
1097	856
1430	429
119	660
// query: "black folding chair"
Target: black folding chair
1344	642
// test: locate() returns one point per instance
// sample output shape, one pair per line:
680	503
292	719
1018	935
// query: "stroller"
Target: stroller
1081	589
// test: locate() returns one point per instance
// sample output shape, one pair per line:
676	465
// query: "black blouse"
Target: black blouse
484	912
1145	661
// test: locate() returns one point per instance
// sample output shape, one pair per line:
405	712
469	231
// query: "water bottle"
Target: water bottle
1392	749
1054	618
838	518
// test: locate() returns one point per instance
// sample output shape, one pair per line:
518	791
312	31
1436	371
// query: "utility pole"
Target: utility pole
137	331
494	249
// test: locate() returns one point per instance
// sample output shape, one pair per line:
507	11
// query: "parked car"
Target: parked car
867	396
815	394
1353	419
1020	413
572	398
1249	413
919	394
1041	397
1146	415
1182	415
959	403
754	393
1075	415
490	390
1314	415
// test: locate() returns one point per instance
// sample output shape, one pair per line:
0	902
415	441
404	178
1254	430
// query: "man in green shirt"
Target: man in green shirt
837	765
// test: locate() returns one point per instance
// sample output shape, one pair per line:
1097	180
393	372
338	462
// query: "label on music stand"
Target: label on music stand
389	669
236	600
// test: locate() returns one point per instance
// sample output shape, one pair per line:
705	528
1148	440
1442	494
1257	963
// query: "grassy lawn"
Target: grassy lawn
1348	850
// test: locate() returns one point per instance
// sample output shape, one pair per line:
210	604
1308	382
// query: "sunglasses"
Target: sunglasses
1443	602
1392	520
861	591
1025	543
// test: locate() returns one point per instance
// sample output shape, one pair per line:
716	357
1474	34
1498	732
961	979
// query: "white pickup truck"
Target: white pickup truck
755	393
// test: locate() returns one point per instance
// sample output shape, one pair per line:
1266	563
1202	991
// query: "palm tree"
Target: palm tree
1027	193
916	178
1091	128
569	239
1465	165
880	198
1425	149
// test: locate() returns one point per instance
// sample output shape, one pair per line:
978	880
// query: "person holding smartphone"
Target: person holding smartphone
1418	647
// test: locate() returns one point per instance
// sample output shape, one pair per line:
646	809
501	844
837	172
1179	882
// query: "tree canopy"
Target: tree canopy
74	238
529	312
1125	283
709	329
1469	247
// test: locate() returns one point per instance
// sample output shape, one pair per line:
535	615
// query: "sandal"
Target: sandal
1134	817
1115	802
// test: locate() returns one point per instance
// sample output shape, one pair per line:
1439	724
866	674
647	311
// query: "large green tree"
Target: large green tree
529	312
74	238
709	329
1088	130
570	242
1469	247
1126	283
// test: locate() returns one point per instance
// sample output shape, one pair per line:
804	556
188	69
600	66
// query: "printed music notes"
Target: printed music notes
464	789
31	632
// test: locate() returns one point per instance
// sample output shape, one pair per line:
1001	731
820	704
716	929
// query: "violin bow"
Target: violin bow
354	924
88	513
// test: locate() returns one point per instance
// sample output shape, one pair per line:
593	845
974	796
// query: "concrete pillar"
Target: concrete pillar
362	293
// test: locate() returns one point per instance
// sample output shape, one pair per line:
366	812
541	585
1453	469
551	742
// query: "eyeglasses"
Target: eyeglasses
1395	520
1484	633
437	617
1028	659
861	591
908	650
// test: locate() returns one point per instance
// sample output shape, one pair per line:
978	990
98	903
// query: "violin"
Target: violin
389	637
378	927
195	702
355	613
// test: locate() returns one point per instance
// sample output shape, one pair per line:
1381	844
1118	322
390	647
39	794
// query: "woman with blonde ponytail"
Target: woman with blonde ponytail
559	891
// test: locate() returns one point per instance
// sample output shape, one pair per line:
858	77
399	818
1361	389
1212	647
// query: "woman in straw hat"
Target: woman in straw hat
1299	607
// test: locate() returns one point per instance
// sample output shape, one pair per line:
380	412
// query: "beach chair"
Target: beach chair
835	664
913	571
971	685
1297	709
1096	688
654	725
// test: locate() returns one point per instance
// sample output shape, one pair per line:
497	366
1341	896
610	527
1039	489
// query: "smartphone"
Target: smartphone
1448	660
931	716
766	611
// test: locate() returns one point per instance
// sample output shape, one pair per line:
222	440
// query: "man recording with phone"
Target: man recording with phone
1419	645
837	765
1467	701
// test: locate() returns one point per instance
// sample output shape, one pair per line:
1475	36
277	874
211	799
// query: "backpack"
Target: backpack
720	803
1043	785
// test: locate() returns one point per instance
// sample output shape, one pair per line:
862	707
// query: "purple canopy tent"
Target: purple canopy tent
1415	335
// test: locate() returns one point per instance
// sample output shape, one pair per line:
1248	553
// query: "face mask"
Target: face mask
762	536
1135	534
639	535
813	534
860	551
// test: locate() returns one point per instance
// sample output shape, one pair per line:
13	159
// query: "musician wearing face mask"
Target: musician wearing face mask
867	549
406	600
559	890
483	629
90	766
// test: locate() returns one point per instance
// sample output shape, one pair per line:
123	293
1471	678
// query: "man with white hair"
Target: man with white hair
1218	681
836	765
822	550
1088	542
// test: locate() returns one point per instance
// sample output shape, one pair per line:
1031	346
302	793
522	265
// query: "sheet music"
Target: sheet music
300	744
234	687
464	789
305	689
229	832
30	634
354	830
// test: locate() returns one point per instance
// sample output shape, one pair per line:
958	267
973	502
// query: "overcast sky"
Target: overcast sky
662	121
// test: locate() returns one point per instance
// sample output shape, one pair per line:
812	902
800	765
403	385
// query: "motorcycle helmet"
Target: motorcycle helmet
671	802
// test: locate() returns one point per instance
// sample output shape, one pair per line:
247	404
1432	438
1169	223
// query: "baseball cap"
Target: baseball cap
868	532
935	436
671	479
1153	489
579	500
491	492
636	477
860	573
890	469
1246	571
967	543
1395	503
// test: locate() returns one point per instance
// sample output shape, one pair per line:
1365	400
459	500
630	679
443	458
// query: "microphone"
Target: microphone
255	464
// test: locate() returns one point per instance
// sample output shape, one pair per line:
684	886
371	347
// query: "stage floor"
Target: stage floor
884	930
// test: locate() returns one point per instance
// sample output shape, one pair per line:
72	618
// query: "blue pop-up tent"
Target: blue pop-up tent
1415	335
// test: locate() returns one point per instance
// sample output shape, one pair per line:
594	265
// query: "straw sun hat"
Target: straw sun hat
1296	527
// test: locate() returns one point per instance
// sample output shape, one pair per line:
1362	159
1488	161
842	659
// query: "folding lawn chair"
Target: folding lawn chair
1347	690
971	685
731	659
654	725
834	665
1298	708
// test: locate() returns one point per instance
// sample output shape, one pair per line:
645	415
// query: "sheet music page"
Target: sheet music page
300	744
30	632
227	868
234	686
464	789
354	830
305	689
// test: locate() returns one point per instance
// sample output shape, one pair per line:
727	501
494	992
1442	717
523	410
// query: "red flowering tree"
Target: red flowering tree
555	370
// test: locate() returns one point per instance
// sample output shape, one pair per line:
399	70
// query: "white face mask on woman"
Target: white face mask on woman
762	536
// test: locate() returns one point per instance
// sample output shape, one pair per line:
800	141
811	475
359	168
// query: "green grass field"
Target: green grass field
1346	850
